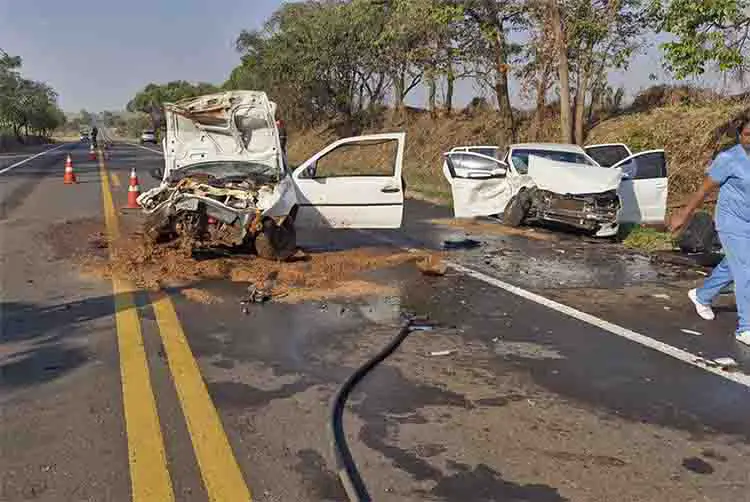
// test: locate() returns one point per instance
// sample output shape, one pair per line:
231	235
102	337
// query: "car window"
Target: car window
347	159
520	158
646	166
459	163
608	155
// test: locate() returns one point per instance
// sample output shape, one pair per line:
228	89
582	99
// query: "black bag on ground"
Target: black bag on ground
699	235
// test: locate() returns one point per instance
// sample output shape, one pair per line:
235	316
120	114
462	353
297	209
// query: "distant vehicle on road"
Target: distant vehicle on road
84	137
148	137
561	183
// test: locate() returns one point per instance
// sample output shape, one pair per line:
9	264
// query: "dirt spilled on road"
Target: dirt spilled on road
488	227
324	275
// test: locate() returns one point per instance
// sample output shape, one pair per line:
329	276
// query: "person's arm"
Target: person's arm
678	220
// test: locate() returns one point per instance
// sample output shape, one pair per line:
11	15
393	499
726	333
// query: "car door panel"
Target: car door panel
352	200
478	186
645	189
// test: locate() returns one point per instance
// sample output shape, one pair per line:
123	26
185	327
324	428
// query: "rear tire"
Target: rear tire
276	242
515	211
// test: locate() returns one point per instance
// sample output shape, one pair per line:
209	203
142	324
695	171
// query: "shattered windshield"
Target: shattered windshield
520	158
231	170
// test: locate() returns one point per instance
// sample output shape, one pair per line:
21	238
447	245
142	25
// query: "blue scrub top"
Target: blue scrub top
731	170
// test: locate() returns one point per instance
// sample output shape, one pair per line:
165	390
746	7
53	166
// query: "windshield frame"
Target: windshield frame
213	168
551	154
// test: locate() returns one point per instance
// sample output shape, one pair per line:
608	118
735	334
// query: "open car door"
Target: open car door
479	184
608	154
353	183
644	188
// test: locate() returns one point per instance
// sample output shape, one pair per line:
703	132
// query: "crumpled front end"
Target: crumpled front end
217	213
591	212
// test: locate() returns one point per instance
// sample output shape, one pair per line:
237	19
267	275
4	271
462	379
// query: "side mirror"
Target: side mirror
499	172
157	173
310	171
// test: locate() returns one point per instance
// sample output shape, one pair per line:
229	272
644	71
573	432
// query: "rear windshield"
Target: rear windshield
520	158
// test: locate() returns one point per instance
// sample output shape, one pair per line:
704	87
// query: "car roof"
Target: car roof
556	147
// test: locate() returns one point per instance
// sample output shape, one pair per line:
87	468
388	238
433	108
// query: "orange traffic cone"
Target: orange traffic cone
133	191
70	177
92	153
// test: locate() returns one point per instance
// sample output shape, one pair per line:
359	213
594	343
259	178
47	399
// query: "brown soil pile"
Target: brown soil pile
304	277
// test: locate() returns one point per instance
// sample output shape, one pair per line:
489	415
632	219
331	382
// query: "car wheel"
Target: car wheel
276	242
515	211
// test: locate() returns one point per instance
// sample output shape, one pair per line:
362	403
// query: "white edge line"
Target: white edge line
682	355
13	166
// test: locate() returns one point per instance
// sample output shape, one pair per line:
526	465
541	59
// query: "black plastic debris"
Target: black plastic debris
454	244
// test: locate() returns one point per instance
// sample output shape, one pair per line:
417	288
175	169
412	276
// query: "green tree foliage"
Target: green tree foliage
707	32
26	106
150	100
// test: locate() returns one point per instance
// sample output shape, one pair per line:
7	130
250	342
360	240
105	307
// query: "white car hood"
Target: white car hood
227	126
574	179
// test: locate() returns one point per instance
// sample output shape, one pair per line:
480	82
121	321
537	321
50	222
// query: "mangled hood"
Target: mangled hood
574	179
227	126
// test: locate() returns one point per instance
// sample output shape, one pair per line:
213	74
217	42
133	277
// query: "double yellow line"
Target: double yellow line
149	474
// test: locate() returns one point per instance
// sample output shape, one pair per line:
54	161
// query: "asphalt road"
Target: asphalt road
568	378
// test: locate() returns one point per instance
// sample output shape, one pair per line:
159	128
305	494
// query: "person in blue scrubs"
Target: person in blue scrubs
730	173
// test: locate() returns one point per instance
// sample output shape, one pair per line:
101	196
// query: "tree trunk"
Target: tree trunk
580	106
566	127
541	103
450	78
432	94
501	81
399	85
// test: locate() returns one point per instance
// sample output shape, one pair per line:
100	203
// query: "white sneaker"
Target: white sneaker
744	337
705	311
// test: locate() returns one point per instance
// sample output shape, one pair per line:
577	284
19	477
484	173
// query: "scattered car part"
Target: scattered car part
465	243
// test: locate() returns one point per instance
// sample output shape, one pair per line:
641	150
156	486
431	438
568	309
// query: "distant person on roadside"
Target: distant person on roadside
730	173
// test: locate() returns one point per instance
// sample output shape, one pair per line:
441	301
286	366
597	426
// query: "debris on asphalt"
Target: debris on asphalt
256	295
432	266
439	353
660	296
726	362
691	332
465	243
200	296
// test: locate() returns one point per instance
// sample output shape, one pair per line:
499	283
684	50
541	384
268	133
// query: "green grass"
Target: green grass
645	238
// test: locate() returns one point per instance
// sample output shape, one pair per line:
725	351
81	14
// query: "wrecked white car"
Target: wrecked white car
560	184
226	179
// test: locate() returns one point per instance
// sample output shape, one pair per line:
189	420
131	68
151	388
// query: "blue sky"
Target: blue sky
98	53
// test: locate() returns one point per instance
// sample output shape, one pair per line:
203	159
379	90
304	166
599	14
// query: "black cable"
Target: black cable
346	467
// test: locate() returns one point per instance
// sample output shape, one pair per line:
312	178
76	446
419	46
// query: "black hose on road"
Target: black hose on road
346	467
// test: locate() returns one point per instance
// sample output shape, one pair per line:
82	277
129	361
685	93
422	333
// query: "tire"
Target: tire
515	211
276	242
